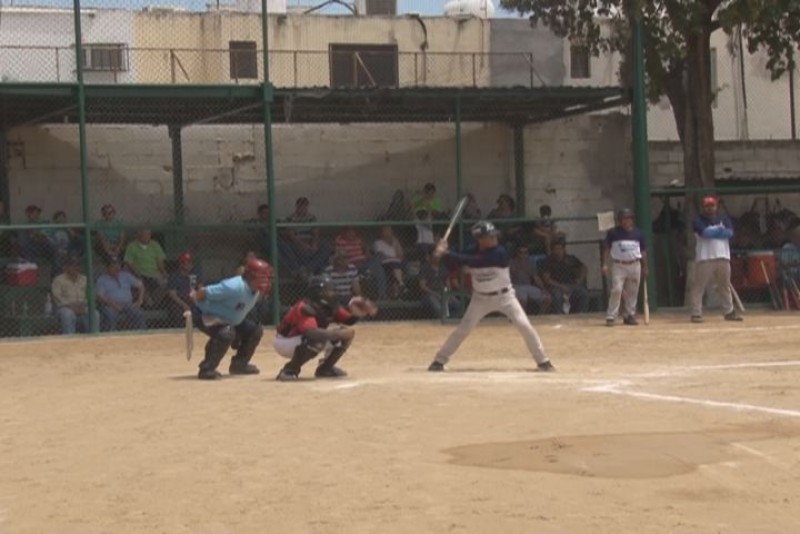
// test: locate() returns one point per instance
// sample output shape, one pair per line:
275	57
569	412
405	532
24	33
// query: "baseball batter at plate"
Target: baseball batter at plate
625	258
220	312
491	292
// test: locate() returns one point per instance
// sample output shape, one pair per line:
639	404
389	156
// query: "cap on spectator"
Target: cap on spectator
33	207
710	201
625	213
185	258
301	201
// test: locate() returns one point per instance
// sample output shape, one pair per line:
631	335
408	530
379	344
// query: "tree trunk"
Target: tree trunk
698	141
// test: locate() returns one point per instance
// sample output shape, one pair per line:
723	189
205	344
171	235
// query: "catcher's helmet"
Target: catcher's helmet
259	272
624	213
320	291
483	229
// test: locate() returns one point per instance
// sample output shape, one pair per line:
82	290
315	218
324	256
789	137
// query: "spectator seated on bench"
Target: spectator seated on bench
115	295
69	298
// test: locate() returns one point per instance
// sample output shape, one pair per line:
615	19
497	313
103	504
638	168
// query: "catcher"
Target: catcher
304	331
220	312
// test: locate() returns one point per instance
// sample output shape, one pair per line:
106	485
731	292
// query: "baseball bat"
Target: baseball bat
793	289
776	299
456	214
736	299
189	337
646	305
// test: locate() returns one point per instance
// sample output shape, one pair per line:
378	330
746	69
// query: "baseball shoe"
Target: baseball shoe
609	322
697	318
630	320
247	369
546	367
287	376
733	316
330	372
436	367
209	374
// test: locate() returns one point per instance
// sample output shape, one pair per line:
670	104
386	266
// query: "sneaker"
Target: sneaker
630	320
209	374
546	367
697	318
609	322
330	372
248	369
287	376
733	316
436	367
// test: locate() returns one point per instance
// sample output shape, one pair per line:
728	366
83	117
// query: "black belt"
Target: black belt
627	262
495	293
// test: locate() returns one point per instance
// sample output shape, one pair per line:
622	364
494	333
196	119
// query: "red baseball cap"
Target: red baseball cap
185	258
710	201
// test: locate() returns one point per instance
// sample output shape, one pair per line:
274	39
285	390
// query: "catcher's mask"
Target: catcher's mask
321	293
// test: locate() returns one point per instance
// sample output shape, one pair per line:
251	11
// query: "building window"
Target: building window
579	62
712	82
244	60
112	57
363	65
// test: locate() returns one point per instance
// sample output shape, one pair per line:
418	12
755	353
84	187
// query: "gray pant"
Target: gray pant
624	286
479	307
705	272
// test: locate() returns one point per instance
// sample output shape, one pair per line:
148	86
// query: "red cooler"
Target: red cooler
22	274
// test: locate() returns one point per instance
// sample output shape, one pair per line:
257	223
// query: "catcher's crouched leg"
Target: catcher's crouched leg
216	347
327	367
249	335
305	351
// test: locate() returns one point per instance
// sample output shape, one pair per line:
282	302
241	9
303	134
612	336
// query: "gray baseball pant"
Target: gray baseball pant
482	305
717	271
624	286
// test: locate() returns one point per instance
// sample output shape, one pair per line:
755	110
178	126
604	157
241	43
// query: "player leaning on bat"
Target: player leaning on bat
220	312
625	259
491	292
315	324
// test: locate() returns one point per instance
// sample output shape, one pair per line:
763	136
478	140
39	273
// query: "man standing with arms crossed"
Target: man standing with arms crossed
625	256
491	292
712	259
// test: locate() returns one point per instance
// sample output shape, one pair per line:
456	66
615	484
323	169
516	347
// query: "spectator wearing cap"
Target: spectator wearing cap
429	202
565	275
179	286
145	258
303	248
712	259
69	296
115	293
110	233
34	244
625	259
528	285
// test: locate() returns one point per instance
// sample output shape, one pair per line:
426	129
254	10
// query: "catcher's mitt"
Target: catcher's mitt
361	307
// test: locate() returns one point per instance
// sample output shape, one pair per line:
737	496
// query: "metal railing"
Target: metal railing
289	68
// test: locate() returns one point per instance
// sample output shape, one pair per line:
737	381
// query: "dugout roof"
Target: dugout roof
42	103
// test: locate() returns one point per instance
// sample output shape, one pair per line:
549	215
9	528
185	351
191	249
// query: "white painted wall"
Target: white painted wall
43	40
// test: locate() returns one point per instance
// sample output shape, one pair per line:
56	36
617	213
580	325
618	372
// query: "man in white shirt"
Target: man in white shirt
69	297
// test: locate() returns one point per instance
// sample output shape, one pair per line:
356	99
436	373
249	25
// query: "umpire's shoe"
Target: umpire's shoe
209	374
287	375
436	367
546	367
246	369
330	372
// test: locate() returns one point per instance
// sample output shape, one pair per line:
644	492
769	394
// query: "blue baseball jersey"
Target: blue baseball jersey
230	300
713	236
489	268
625	245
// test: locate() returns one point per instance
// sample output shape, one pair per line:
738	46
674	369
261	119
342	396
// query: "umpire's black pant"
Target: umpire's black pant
245	338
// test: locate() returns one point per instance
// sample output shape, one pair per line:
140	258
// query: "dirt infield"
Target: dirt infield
668	428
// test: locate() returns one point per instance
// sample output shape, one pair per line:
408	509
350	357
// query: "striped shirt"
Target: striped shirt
343	280
352	247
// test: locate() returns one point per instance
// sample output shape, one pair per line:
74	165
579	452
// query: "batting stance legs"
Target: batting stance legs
482	305
247	336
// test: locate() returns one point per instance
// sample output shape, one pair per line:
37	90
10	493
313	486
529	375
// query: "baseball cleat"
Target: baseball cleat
697	318
248	369
209	374
546	367
733	316
332	372
609	322
436	367
287	376
630	320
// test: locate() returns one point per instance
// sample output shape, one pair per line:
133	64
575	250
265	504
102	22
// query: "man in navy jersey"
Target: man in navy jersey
491	292
625	257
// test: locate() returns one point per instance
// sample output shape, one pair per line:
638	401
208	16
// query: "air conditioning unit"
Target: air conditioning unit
377	7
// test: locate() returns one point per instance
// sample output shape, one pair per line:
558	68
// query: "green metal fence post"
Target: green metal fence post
94	327
519	169
267	96
641	165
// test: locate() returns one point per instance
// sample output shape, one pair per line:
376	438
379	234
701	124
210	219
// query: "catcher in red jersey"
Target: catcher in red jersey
318	323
